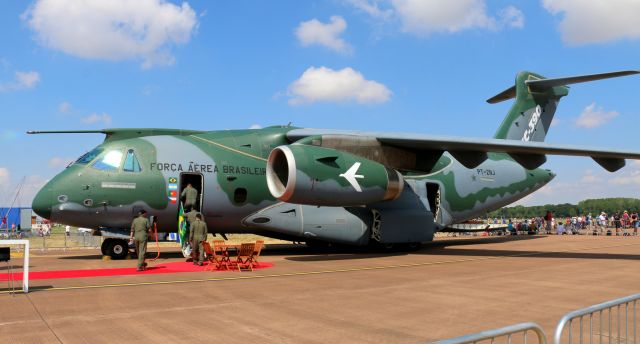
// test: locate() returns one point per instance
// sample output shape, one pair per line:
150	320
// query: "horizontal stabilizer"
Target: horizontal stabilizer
507	94
544	84
541	85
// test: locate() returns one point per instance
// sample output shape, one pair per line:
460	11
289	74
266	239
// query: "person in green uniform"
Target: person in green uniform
139	231
190	195
197	235
190	217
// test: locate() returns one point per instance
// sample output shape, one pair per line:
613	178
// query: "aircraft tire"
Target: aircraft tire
118	249
105	247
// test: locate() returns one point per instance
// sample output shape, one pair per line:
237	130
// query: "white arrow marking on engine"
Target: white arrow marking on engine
351	176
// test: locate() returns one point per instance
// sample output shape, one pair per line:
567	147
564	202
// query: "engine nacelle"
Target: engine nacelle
312	175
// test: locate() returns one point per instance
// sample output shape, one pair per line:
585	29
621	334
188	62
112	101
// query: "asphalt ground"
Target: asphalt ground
448	288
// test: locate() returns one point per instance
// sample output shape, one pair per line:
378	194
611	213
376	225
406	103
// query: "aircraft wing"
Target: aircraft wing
470	152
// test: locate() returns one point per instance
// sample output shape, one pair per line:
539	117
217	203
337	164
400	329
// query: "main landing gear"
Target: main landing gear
115	248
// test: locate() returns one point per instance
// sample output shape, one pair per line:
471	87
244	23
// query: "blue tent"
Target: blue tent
12	215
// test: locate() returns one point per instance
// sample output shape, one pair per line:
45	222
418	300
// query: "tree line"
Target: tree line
593	206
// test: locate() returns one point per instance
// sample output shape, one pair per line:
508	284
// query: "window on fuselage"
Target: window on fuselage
131	163
109	162
89	156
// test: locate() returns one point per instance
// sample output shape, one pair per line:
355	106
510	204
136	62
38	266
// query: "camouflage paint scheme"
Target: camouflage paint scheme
453	182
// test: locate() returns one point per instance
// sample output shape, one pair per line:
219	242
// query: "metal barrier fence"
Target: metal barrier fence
58	241
610	322
610	312
508	332
62	241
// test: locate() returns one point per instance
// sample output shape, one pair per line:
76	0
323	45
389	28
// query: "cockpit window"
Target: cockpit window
131	163
109	162
89	156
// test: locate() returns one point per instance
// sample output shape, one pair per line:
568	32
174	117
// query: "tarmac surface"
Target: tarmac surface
449	288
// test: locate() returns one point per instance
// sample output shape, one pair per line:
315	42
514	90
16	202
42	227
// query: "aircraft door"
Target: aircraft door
433	197
197	181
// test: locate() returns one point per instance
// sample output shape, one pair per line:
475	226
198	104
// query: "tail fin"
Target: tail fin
537	98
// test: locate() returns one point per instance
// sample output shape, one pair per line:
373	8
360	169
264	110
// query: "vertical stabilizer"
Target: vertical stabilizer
536	102
530	116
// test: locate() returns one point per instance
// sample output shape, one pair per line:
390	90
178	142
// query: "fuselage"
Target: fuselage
106	187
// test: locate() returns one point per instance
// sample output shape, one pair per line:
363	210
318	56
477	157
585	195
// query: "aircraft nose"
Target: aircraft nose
42	202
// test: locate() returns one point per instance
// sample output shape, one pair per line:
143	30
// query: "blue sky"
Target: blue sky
387	65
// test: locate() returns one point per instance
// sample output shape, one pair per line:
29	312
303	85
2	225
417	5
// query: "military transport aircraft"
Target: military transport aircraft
314	185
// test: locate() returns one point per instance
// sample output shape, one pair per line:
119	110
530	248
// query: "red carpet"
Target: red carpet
166	268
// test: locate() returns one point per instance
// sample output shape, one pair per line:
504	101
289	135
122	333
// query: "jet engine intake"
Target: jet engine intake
312	175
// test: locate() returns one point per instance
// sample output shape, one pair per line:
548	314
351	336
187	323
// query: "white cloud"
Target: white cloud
27	79
510	16
58	162
113	30
593	117
5	177
425	17
255	126
586	22
21	81
372	8
590	177
30	187
96	118
314	32
327	85
64	108
628	180
630	175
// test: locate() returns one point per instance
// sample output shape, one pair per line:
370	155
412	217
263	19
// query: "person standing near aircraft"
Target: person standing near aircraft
139	231
190	195
197	235
548	219
190	216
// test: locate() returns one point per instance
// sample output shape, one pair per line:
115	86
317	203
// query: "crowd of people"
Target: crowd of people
619	223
